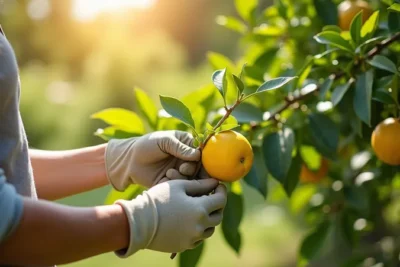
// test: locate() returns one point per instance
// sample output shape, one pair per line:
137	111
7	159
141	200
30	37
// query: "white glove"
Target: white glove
174	216
150	159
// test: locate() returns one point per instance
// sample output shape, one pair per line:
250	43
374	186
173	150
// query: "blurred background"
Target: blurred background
77	57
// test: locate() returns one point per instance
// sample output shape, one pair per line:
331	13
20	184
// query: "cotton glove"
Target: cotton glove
174	216
150	159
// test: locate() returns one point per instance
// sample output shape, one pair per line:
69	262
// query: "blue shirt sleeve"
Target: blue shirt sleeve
11	207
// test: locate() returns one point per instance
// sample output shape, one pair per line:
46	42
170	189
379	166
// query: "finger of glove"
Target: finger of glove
215	218
188	168
165	179
203	174
217	200
174	174
200	187
180	150
208	232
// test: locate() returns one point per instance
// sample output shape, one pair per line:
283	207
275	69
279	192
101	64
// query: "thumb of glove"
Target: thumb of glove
182	151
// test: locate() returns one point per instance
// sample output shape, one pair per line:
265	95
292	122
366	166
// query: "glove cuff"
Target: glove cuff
117	162
143	223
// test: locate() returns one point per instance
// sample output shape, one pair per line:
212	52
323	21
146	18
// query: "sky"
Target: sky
89	9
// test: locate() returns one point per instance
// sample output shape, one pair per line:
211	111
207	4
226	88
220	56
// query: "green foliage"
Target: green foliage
121	119
177	109
233	214
147	107
277	148
191	257
347	82
131	192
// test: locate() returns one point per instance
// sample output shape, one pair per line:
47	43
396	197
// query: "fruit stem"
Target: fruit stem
220	122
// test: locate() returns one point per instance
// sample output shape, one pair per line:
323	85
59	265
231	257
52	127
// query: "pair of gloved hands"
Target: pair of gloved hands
176	213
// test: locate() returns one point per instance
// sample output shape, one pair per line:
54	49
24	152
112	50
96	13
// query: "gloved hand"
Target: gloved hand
174	216
150	159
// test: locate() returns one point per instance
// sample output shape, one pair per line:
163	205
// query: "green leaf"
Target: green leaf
395	7
277	149
332	28
245	8
324	134
340	91
246	112
293	175
382	62
191	257
111	132
239	84
369	42
347	226
304	72
131	192
314	241
363	95
274	84
232	217
243	72
257	177
177	109
220	81
226	127
383	96
369	27
325	53
169	123
146	107
357	199
334	39
394	22
121	119
325	86
268	30
220	62
204	97
231	23
355	28
327	11
301	197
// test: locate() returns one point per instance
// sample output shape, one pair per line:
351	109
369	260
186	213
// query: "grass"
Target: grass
268	239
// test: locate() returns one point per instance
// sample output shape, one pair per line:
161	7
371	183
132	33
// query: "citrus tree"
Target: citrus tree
330	129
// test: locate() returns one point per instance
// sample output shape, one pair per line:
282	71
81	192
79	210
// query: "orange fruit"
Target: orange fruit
348	9
227	156
310	176
385	141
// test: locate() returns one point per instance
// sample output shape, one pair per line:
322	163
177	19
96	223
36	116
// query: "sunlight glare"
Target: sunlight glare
89	9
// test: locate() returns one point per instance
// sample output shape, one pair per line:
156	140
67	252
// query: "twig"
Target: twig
380	46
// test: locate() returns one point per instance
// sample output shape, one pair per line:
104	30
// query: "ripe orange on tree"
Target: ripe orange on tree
308	175
348	9
227	156
385	141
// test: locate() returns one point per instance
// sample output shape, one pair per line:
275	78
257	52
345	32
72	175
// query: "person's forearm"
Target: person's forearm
63	173
51	234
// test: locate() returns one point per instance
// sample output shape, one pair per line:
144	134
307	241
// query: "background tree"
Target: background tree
316	129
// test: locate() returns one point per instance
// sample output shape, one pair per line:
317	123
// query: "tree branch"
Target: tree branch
373	52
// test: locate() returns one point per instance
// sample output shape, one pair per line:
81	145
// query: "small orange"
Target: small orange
309	176
385	141
227	156
348	9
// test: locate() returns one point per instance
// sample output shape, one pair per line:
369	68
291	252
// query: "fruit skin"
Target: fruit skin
309	176
227	156
347	10
385	141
